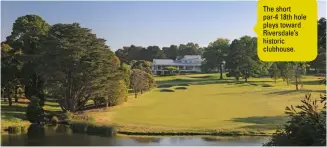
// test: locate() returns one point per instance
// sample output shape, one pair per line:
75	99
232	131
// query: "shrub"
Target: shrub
167	90
307	126
54	120
34	113
267	85
117	93
181	88
171	70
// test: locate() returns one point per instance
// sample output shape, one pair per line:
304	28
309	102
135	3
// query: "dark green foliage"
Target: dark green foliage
307	126
243	61
235	74
99	101
78	65
10	68
171	52
34	113
27	34
128	54
189	49
215	55
167	90
319	64
181	88
274	72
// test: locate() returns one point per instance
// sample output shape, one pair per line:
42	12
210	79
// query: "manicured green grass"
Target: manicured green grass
209	105
205	106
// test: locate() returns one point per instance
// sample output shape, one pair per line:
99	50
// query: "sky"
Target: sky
145	23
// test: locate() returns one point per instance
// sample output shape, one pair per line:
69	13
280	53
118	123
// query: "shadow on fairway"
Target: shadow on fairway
262	119
283	92
262	123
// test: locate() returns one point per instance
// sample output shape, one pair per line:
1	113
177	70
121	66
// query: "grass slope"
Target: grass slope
205	106
208	105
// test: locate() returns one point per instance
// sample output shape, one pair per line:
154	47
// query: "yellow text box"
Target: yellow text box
287	30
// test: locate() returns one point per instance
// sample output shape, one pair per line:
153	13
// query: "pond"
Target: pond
62	136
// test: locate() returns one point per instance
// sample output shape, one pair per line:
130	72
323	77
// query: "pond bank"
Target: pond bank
110	130
56	135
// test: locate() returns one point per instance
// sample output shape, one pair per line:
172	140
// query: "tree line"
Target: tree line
65	62
242	61
128	54
238	57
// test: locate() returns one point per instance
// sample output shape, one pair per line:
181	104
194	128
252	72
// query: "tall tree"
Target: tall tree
171	52
10	68
154	52
138	81
242	58
274	72
141	81
78	65
300	69
320	62
26	35
215	54
127	54
189	49
123	56
287	70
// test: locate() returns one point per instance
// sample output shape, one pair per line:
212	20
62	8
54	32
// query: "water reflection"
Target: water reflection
146	139
61	135
34	134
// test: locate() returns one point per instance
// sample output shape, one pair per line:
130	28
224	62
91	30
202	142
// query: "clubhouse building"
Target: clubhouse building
187	64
